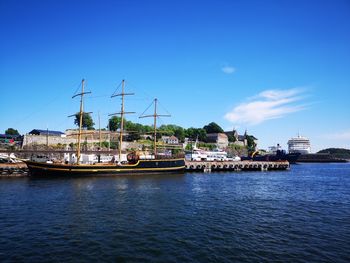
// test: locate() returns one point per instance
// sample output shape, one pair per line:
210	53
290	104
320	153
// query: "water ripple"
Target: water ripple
300	215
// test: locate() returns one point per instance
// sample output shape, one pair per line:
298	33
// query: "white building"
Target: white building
170	139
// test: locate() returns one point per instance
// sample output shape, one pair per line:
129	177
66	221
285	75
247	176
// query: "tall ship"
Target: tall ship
299	144
134	163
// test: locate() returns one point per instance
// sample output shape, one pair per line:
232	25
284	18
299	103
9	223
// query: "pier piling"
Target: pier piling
205	166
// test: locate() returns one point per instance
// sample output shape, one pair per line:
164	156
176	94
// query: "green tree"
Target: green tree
337	152
166	130
251	145
134	130
87	122
114	123
189	147
11	131
231	138
213	128
171	129
180	134
147	129
194	133
190	133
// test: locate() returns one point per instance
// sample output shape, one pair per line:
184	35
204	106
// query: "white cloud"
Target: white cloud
267	105
228	69
345	135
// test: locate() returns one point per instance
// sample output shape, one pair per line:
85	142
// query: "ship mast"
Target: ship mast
155	115
99	130
81	112
121	113
155	128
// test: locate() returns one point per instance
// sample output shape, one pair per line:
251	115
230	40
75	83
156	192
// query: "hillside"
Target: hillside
337	152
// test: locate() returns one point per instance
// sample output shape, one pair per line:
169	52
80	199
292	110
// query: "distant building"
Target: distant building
240	139
94	135
90	137
220	139
46	132
46	137
170	139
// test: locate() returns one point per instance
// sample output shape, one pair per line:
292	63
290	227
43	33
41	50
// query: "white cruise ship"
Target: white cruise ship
299	144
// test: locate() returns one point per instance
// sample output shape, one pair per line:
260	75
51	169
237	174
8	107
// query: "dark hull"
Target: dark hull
319	158
141	167
290	157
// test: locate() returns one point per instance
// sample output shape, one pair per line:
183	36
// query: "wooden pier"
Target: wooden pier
200	166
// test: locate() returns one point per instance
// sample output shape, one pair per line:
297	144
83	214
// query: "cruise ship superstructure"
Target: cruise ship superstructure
299	144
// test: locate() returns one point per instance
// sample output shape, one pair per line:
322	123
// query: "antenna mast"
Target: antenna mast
99	130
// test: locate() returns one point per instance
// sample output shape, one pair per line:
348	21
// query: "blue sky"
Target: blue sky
275	68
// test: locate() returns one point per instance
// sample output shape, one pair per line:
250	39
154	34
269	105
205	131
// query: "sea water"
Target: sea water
300	215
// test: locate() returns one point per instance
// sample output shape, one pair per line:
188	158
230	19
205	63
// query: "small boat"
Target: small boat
135	164
9	158
197	154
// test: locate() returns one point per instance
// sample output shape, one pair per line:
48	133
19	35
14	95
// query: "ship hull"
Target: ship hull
319	158
140	167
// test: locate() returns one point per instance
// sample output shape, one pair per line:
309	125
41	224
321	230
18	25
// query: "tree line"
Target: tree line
135	130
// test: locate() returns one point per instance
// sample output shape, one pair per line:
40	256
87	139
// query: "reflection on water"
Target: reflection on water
298	215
